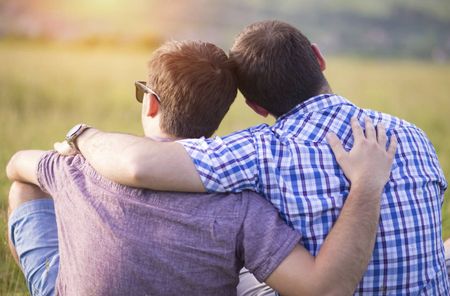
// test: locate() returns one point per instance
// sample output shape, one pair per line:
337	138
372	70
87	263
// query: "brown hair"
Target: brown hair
276	66
196	84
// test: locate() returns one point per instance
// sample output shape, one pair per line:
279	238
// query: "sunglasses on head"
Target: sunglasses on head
142	89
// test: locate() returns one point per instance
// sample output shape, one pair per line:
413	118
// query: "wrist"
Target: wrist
80	141
74	133
366	189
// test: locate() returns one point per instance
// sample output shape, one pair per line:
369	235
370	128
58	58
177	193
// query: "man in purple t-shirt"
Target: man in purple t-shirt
97	237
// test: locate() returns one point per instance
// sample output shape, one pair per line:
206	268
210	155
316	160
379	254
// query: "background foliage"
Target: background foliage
46	89
389	28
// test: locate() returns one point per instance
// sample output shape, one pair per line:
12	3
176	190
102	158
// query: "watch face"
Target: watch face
74	130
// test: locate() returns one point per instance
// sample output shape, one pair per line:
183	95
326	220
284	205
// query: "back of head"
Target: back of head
276	66
196	84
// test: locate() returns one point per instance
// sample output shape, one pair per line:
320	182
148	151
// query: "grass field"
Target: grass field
44	90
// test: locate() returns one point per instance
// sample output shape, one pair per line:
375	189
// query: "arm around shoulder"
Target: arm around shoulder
346	252
164	166
140	162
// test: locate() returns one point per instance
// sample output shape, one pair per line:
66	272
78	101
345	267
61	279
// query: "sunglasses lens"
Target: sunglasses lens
139	93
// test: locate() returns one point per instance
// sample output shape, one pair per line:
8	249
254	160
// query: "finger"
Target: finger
370	130
392	146
336	145
356	129
381	135
63	148
58	147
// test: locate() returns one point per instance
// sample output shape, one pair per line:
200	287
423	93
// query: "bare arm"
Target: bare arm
140	162
346	252
23	166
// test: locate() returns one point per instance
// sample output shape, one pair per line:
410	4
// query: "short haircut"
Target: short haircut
276	66
196	83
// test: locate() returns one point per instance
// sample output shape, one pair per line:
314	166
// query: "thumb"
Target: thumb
64	148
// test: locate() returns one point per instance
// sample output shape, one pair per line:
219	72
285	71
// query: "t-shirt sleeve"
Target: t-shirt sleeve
53	171
225	164
265	239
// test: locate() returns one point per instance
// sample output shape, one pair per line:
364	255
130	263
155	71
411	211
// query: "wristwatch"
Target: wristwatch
74	133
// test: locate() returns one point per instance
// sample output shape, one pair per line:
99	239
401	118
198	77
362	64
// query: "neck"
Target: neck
162	139
325	89
153	130
160	136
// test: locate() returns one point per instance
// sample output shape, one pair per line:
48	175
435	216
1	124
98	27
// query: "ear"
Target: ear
319	56
257	108
151	105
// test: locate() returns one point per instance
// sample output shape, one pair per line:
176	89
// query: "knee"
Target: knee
20	193
447	248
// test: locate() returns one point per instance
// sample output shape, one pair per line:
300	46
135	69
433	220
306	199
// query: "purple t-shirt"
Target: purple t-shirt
118	240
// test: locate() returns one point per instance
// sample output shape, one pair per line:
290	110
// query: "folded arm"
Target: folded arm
23	166
346	252
140	162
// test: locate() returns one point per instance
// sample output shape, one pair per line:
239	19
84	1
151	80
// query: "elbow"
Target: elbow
343	288
337	291
328	287
11	171
134	173
328	290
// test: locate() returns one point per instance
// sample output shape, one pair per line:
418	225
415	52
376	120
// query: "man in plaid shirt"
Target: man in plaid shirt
290	163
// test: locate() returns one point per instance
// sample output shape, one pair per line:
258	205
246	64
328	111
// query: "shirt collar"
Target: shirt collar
315	104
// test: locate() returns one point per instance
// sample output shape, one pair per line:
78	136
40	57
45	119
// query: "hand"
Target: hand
64	148
368	163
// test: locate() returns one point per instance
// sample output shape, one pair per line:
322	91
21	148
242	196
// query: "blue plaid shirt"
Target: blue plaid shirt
292	166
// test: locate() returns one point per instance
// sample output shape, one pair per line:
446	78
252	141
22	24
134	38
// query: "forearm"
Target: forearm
140	162
347	250
343	257
107	153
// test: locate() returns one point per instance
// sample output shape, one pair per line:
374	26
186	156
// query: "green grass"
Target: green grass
44	90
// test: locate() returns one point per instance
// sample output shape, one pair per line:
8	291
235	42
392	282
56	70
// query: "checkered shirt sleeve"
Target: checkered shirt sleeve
227	164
